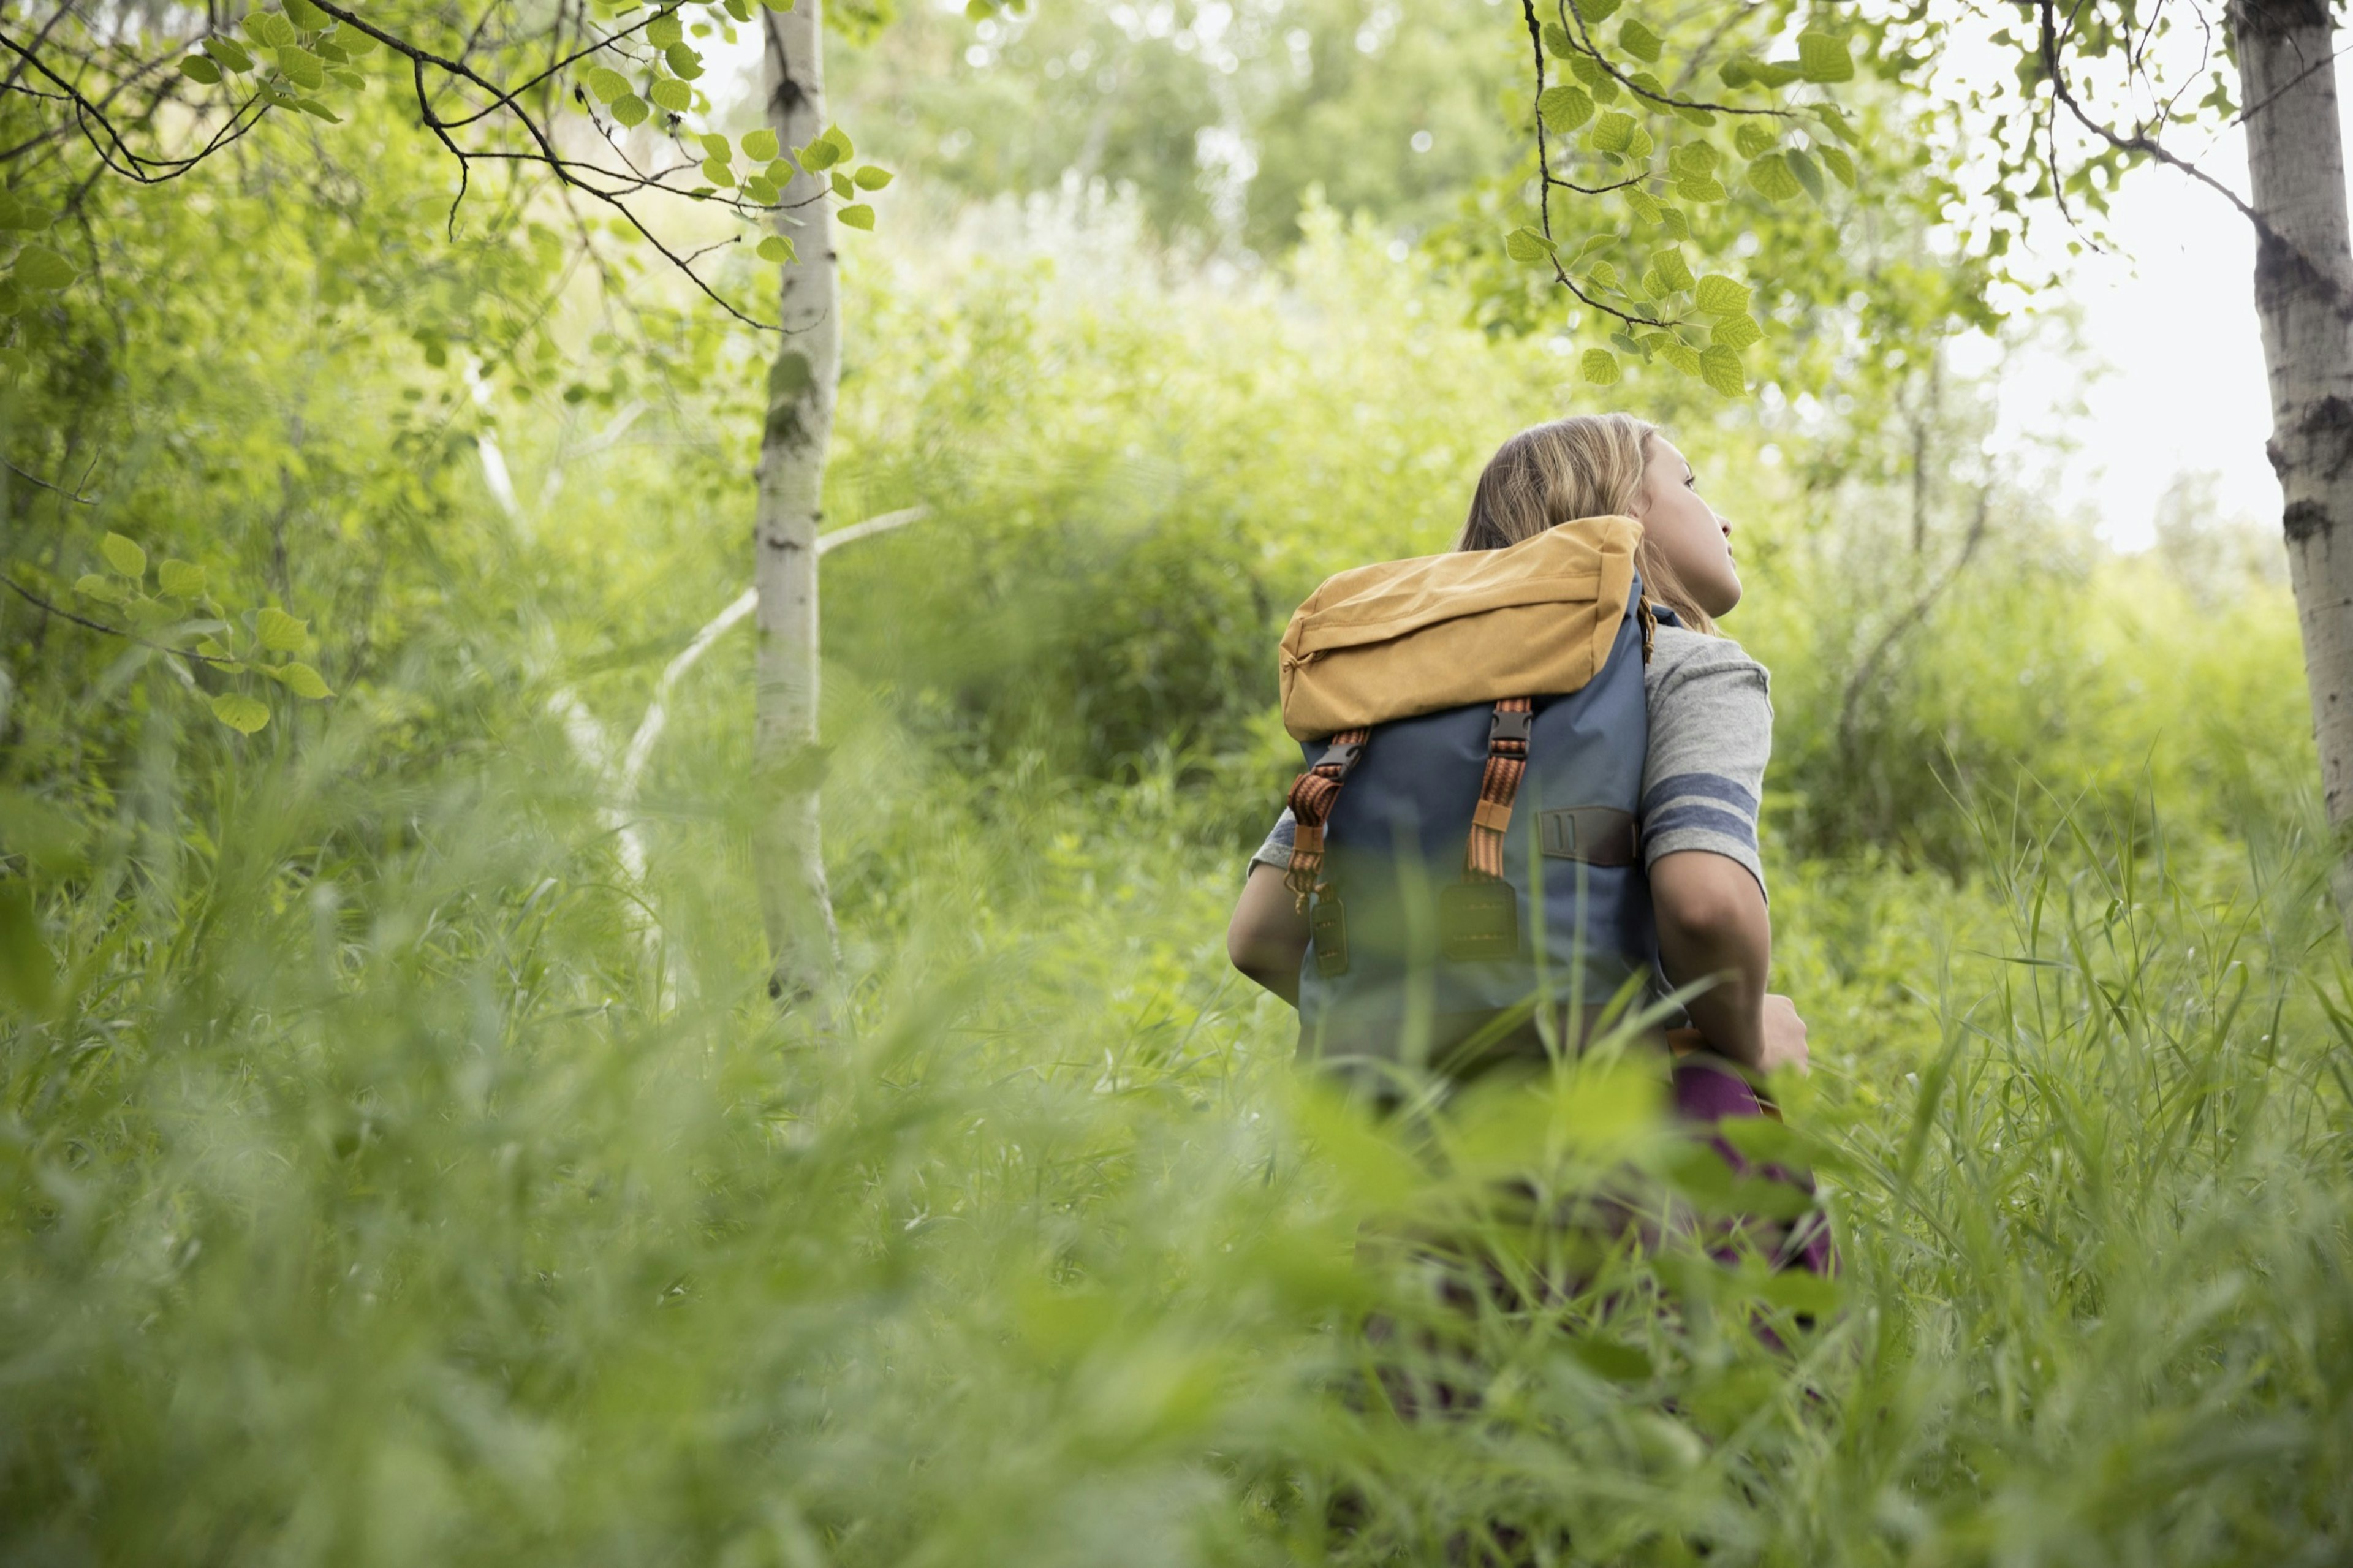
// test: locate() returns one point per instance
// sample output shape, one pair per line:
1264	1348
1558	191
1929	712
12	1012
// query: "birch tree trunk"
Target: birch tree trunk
787	844
2304	294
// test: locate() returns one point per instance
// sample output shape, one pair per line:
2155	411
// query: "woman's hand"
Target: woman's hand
1785	1036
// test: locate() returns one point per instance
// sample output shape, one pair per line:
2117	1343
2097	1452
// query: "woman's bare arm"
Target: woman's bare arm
1713	922
1268	935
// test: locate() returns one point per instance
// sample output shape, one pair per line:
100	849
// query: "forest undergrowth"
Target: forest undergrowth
392	1173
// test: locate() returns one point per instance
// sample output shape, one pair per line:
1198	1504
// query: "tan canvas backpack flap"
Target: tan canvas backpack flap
1406	638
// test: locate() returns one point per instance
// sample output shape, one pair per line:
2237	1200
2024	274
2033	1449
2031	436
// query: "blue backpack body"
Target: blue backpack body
1391	972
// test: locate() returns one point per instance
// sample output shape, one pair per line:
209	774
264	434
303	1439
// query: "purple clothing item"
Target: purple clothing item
1708	1093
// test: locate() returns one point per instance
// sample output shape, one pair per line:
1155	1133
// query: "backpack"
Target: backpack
1474	727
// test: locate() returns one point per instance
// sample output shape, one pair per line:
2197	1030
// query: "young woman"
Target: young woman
1711	730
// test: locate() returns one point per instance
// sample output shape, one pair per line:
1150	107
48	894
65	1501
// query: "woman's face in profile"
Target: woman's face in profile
1696	542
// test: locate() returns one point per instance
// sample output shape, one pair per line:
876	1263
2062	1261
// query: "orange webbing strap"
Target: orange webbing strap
1312	795
1508	760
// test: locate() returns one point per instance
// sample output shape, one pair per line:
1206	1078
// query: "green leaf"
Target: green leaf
631	110
1839	163
665	30
761	189
1604	275
1832	116
1625	341
1771	176
241	713
872	177
1693	113
349	77
196	67
858	215
672	95
313	107
1638	40
1721	296
1565	108
738	9
302	68
1720	368
777	5
1526	245
1672	269
1692	158
1557	41
760	145
717	149
307	16
1596	12
1822	56
1700	188
304	682
819	155
1599	367
272	28
776	248
840	140
1639	145
279	632
180	579
1645	205
1736	332
717	173
1613	132
683	61
124	556
1758	73
1753	140
41	270
1809	176
91	585
1734	73
356	44
229	53
1675	352
609	86
843	187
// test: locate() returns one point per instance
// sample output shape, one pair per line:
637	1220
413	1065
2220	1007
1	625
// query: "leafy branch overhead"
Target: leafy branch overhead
180	618
607	111
1631	158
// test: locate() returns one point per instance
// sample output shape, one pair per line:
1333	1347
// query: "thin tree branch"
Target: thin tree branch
62	613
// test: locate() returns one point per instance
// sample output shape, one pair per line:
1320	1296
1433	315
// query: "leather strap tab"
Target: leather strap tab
1507	763
1314	794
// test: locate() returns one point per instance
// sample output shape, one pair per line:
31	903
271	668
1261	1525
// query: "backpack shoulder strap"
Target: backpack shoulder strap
1507	763
1312	795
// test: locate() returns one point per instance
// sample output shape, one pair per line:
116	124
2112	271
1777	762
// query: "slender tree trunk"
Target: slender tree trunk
2303	294
788	845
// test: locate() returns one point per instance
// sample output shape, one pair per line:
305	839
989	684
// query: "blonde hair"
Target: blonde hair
1588	465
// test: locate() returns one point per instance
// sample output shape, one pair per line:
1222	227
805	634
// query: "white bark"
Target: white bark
788	851
2304	296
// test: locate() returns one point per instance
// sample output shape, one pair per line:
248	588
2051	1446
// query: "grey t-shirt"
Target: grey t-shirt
1711	735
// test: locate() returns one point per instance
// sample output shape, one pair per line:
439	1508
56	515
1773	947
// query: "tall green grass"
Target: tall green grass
389	1203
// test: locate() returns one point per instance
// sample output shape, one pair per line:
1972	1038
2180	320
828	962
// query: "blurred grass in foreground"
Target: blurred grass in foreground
366	1206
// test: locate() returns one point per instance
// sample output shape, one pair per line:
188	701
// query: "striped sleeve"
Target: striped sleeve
1276	851
1711	735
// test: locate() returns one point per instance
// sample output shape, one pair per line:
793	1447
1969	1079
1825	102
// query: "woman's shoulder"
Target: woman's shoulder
1679	655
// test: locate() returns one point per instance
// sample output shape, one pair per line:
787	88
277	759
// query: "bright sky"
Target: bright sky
2172	314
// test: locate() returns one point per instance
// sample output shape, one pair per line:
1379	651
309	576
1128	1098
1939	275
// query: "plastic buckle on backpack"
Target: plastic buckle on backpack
1510	724
1341	757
